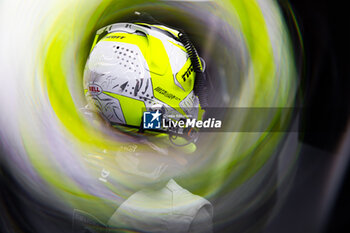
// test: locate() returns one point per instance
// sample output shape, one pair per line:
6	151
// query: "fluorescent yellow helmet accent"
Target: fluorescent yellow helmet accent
131	113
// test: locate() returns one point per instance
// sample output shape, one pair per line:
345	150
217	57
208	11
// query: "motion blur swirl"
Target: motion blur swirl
55	152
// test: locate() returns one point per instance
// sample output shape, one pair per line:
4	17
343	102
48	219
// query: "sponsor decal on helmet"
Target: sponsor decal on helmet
166	93
95	89
115	37
187	73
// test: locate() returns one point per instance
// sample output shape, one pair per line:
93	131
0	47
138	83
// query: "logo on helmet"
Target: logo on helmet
95	89
187	73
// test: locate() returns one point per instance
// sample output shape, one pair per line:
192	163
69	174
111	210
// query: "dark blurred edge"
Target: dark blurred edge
325	86
325	77
21	212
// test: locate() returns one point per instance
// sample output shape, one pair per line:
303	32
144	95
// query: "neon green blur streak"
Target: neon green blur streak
241	155
58	61
77	23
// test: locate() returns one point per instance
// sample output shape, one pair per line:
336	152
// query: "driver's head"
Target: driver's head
139	76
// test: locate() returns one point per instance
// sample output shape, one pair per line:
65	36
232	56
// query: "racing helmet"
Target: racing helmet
135	68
